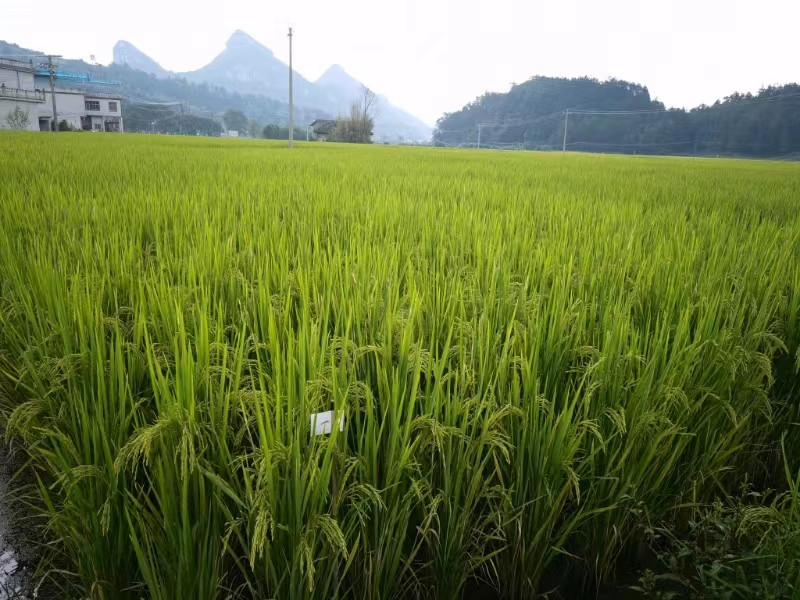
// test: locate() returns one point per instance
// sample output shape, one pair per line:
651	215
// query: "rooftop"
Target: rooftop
324	126
19	65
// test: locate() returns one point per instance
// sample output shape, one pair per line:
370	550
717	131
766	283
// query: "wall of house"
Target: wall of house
69	104
19	80
105	108
105	111
32	108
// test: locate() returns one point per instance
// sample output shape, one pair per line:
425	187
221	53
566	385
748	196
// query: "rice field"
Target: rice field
534	357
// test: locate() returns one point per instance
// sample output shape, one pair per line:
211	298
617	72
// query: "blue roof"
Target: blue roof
79	77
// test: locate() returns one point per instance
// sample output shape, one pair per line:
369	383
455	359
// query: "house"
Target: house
103	112
87	111
17	91
322	129
24	87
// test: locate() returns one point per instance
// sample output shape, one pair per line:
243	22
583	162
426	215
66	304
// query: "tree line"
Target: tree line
356	127
620	116
146	118
170	119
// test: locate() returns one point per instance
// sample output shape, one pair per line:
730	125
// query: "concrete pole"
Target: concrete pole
291	102
566	120
51	68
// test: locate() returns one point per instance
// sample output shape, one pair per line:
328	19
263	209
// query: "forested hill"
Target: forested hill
618	116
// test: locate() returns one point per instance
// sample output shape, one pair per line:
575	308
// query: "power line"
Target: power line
631	145
523	122
151	102
502	125
580	111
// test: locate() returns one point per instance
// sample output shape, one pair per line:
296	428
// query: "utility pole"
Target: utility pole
479	136
307	137
51	70
53	97
291	104
566	120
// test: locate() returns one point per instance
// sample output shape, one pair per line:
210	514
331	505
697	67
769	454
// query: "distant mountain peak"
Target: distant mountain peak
247	67
334	69
241	40
335	75
126	53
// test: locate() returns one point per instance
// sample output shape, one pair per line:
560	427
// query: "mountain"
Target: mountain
246	76
246	66
173	95
340	87
335	77
391	123
620	116
126	53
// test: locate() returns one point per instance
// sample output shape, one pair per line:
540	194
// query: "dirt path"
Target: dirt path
13	573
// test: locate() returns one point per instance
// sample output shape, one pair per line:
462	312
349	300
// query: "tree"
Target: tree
271	132
620	116
151	119
281	132
369	102
254	128
357	128
235	120
18	119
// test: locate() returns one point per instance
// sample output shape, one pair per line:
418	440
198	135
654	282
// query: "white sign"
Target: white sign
322	423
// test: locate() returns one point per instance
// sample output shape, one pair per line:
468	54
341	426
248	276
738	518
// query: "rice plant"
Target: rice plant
533	354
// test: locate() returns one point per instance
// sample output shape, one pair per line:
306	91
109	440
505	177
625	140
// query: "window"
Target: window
112	107
92	105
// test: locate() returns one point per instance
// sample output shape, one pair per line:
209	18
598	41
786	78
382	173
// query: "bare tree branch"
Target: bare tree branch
368	101
357	128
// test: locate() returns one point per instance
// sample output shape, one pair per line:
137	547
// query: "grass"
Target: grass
535	354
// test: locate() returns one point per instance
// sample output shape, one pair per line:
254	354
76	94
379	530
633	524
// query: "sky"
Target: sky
433	56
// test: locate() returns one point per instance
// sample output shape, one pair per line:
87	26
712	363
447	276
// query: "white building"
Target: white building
21	88
17	91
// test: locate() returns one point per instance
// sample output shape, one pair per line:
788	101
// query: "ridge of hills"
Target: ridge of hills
138	87
247	67
245	76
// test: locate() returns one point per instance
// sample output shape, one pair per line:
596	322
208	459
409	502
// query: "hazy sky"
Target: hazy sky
431	56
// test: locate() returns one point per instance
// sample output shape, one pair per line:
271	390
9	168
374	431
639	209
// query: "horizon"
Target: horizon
689	53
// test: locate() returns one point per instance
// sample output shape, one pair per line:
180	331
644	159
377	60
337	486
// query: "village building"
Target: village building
323	128
24	88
